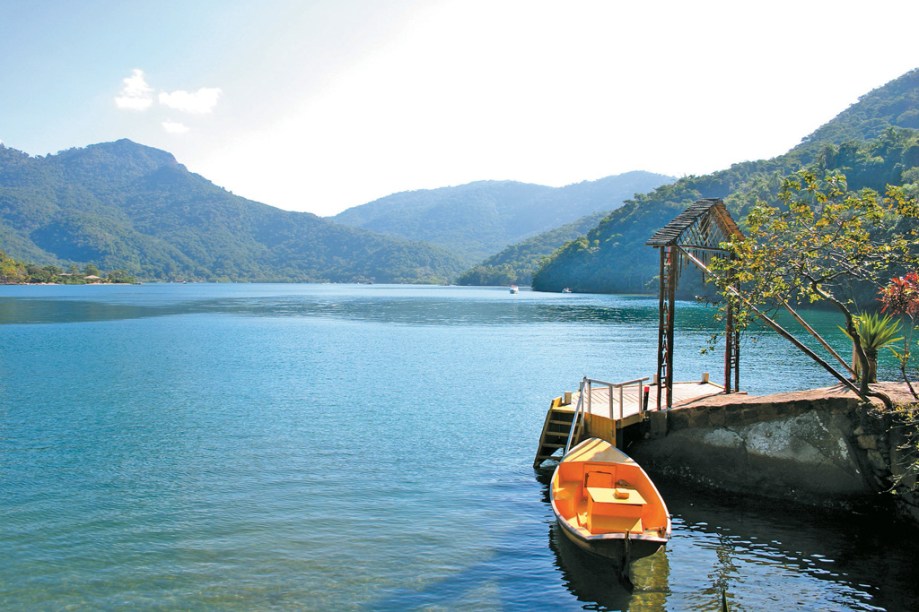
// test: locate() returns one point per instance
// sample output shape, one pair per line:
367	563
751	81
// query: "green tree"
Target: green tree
822	243
11	270
120	276
875	332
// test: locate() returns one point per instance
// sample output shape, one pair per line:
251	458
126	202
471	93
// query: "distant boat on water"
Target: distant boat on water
515	289
566	290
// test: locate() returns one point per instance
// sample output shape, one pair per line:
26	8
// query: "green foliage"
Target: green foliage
905	463
490	276
818	239
816	245
613	258
14	272
119	276
890	159
874	333
896	104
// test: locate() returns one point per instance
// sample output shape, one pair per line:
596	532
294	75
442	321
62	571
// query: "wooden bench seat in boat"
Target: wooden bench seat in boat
565	499
613	524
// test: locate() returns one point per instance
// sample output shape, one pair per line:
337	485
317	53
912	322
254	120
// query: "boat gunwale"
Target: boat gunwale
591	538
614	535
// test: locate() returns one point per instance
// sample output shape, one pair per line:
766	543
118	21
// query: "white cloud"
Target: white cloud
198	102
174	127
136	95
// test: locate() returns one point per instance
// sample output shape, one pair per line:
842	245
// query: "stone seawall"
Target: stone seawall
820	447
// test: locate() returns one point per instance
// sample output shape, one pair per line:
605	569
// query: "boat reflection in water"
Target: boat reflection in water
596	580
742	549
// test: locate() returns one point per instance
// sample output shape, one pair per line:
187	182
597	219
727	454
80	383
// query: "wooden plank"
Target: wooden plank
683	392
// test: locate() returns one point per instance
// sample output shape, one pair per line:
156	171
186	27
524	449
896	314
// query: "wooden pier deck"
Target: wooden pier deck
610	407
631	408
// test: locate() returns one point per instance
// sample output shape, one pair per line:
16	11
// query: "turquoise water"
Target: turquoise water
362	447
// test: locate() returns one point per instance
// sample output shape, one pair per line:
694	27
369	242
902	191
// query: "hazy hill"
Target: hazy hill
122	205
517	263
895	104
871	142
479	219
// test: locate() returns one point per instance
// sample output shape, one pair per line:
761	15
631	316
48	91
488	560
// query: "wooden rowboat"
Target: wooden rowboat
606	504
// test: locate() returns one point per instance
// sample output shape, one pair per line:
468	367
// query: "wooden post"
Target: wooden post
728	345
736	360
671	304
666	304
660	326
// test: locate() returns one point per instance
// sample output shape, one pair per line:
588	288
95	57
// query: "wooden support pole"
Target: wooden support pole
736	340
660	326
728	346
671	303
813	332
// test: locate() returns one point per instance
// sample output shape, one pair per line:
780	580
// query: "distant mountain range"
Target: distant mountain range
123	206
476	220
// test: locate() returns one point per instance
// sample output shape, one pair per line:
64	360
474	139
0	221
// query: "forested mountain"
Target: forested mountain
124	206
478	219
517	263
895	104
872	142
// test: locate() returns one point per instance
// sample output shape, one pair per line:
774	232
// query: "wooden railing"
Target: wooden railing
584	405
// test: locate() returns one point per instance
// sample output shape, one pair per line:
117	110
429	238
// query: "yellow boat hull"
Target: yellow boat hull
606	504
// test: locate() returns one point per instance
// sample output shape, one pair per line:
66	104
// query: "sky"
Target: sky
321	105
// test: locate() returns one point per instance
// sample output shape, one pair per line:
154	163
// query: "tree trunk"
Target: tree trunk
864	388
872	372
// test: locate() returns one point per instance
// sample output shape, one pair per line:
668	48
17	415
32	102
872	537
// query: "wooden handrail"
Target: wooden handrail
584	405
578	412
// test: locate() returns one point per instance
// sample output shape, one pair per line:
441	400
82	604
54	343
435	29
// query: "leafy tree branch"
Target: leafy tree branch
822	243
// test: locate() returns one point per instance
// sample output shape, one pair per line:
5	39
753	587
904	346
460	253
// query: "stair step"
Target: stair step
556	431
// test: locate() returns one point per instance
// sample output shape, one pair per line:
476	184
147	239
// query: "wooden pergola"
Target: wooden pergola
695	235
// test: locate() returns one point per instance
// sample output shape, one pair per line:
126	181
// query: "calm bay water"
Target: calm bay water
363	447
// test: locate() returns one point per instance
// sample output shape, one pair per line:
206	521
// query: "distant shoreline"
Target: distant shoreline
62	284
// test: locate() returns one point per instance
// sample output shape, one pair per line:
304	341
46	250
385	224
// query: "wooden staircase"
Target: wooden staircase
555	430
